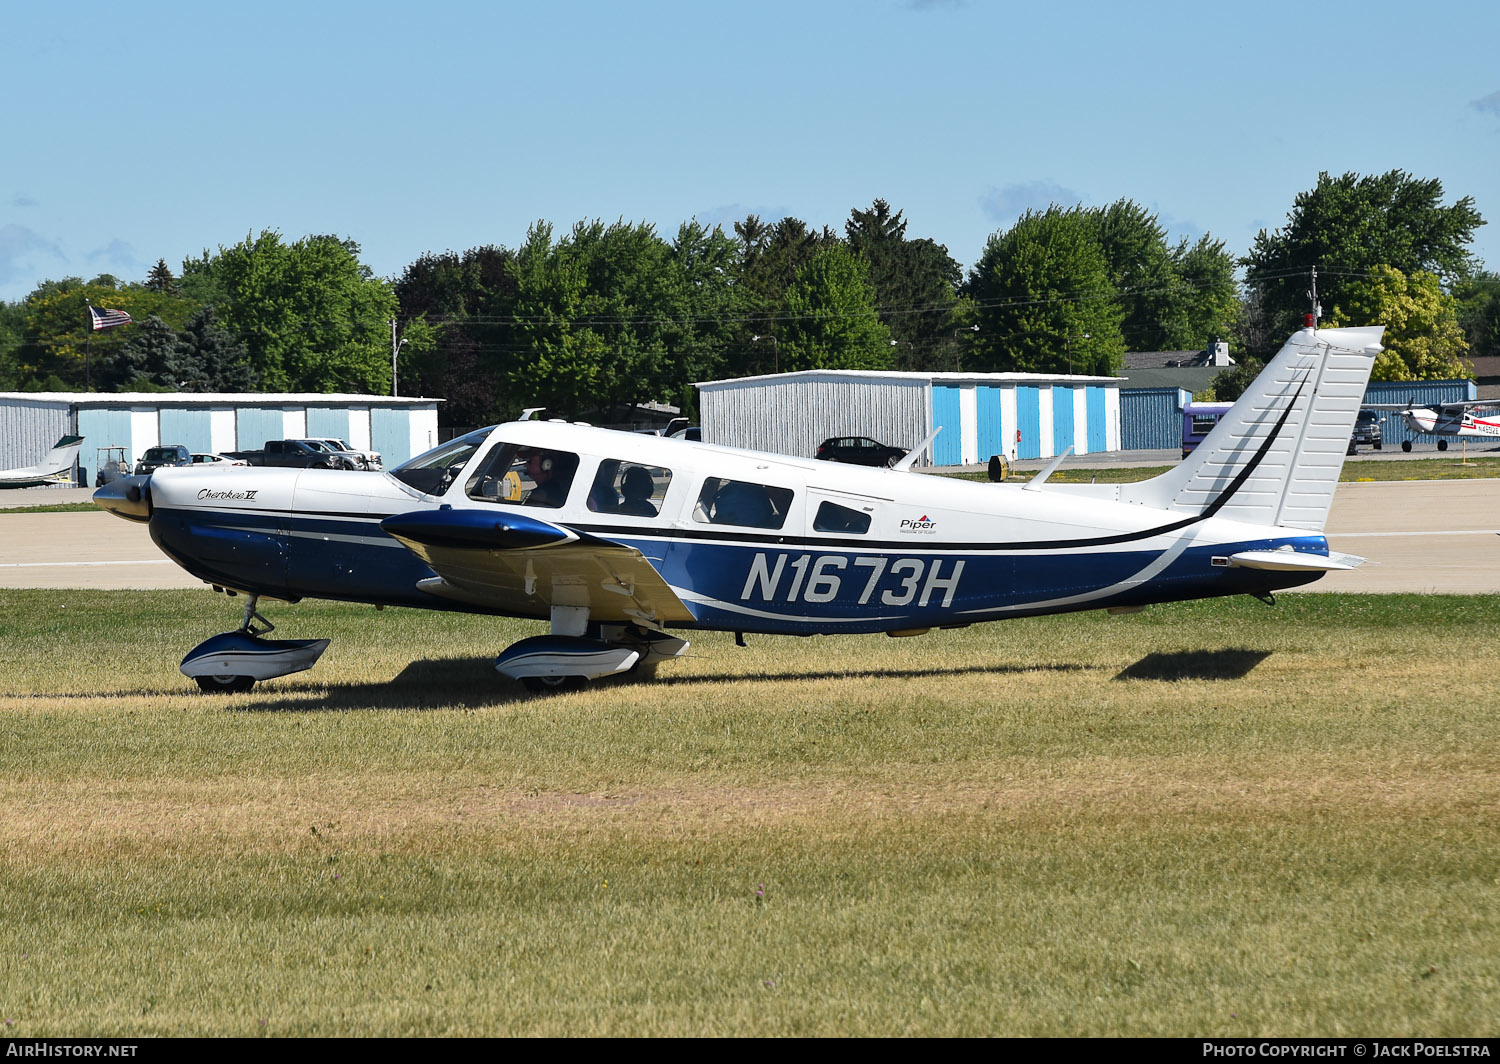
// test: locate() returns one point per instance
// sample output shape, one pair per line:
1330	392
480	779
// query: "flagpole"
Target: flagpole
88	340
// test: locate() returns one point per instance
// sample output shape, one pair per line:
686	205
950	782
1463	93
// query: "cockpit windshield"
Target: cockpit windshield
432	471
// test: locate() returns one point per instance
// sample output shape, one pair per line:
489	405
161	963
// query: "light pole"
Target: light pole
958	349
1069	347
396	346
775	351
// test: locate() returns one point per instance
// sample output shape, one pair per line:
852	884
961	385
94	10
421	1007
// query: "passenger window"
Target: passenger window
528	476
736	502
628	489
835	518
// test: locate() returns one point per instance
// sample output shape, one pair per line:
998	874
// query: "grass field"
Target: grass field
1215	818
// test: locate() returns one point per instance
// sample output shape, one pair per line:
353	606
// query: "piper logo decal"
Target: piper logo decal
923	525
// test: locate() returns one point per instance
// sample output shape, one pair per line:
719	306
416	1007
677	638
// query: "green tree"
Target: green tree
58	341
140	364
457	318
1228	385
1423	340
310	314
160	278
1174	297
208	358
771	255
829	318
1211	305
1347	226
1479	313
915	286
1043	299
12	330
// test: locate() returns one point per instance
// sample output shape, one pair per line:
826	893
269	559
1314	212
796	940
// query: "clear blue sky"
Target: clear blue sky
134	132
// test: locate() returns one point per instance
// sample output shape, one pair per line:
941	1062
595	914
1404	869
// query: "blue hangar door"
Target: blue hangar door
1029	421
948	448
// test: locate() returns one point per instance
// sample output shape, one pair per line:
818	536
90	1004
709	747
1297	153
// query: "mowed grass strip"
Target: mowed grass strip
1207	818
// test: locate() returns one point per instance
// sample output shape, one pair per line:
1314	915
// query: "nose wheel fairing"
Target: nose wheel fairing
245	655
233	661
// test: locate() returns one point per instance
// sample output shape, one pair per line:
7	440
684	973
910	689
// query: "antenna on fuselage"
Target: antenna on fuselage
916	452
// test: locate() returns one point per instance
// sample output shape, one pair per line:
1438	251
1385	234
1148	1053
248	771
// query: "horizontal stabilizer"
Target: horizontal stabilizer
1286	560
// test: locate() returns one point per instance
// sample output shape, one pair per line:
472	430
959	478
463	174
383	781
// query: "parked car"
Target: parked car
859	450
1366	430
206	458
362	459
690	432
171	454
296	454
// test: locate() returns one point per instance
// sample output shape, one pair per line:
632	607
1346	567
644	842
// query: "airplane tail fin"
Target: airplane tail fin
62	455
1275	456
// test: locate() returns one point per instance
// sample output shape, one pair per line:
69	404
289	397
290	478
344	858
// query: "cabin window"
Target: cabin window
738	502
832	517
432	471
525	476
628	489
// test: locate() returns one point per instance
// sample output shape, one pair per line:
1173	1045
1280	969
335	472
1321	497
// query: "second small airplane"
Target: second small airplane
1447	420
55	468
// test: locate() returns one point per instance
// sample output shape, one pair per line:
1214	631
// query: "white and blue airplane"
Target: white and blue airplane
56	467
618	539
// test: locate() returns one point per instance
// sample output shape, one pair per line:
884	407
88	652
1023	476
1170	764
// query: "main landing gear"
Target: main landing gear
231	662
578	651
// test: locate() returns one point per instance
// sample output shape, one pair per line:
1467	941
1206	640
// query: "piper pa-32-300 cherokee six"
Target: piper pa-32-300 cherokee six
615	537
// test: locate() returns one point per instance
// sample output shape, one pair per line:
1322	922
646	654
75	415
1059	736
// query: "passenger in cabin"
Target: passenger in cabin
637	487
738	503
553	474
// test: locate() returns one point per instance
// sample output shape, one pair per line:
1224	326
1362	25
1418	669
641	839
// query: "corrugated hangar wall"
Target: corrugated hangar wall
29	428
794	416
31	423
980	415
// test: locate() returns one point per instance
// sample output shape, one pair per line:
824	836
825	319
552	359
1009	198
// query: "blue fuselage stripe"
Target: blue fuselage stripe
751	584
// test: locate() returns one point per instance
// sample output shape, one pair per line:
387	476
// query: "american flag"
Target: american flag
108	319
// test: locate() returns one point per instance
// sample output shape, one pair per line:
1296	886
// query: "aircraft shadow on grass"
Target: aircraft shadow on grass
1233	664
445	682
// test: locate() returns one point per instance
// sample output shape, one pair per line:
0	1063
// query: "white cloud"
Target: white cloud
119	258
1005	205
20	249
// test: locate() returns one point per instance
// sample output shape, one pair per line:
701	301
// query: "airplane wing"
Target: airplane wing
517	564
1460	405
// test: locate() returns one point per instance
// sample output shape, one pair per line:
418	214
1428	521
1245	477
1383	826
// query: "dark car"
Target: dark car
173	454
1366	430
859	450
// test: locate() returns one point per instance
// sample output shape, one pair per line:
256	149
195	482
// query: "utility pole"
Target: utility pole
1317	311
395	350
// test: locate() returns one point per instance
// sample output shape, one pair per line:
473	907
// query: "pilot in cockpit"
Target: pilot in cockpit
552	472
